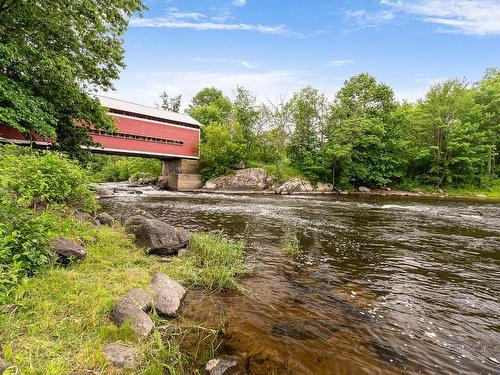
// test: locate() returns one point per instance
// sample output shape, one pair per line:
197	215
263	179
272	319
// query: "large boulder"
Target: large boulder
295	185
119	355
221	366
132	307
68	250
245	179
158	237
167	294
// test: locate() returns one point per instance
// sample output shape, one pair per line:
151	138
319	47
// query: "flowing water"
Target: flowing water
381	286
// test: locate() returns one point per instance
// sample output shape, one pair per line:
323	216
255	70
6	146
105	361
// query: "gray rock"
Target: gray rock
119	355
167	294
295	185
363	189
3	366
481	196
158	237
105	219
68	250
239	165
84	216
220	366
131	307
104	193
325	188
163	182
245	179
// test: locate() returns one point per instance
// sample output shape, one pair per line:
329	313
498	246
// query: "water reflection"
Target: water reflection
381	285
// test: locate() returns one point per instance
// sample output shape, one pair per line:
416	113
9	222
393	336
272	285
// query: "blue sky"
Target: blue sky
276	47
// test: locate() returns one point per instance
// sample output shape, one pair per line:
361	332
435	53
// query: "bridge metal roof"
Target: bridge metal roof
122	105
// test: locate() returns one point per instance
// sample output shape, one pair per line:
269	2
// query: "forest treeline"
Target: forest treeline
451	137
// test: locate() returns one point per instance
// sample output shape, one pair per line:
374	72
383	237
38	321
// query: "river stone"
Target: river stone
481	196
104	193
119	354
363	189
244	179
325	188
158	237
105	219
295	185
68	250
163	182
168	294
131	307
84	216
220	366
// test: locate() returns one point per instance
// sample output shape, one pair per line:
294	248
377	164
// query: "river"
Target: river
382	285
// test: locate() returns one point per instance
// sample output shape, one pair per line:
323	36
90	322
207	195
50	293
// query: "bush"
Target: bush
40	178
117	168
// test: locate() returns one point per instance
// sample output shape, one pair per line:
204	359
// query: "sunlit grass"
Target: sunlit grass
290	244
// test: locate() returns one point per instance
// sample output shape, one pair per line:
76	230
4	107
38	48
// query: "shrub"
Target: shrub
115	168
43	178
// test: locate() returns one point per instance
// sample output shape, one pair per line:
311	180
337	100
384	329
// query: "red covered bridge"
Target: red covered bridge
142	131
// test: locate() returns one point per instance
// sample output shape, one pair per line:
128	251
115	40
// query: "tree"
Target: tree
170	104
308	113
210	106
246	113
223	147
450	146
52	54
362	144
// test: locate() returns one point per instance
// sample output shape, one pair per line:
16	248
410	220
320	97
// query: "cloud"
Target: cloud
473	17
364	18
336	63
170	23
239	3
243	63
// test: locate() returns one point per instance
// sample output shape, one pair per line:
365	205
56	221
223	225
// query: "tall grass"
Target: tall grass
212	261
291	244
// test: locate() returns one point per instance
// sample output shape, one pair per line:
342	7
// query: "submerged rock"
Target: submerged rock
295	185
68	250
104	193
119	354
168	294
131	307
245	179
221	366
158	237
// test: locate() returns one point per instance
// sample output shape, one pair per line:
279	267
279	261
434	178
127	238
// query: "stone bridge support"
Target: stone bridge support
181	174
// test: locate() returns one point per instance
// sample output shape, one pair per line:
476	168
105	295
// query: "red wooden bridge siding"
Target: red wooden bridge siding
141	131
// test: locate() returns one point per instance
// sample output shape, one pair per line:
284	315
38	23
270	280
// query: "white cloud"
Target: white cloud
476	17
239	3
364	18
170	23
336	63
243	63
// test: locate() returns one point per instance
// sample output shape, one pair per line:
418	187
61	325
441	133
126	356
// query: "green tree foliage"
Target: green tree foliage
52	53
224	146
209	106
448	143
121	168
308	109
362	147
168	103
245	112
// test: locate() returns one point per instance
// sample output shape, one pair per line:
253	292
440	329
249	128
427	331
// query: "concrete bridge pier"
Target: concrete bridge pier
181	174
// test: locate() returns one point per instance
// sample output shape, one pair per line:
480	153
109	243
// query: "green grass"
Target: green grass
291	244
211	261
59	319
491	189
286	170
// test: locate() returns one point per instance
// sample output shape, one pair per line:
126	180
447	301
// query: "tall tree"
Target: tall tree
451	146
361	147
168	103
209	106
246	113
52	54
308	113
